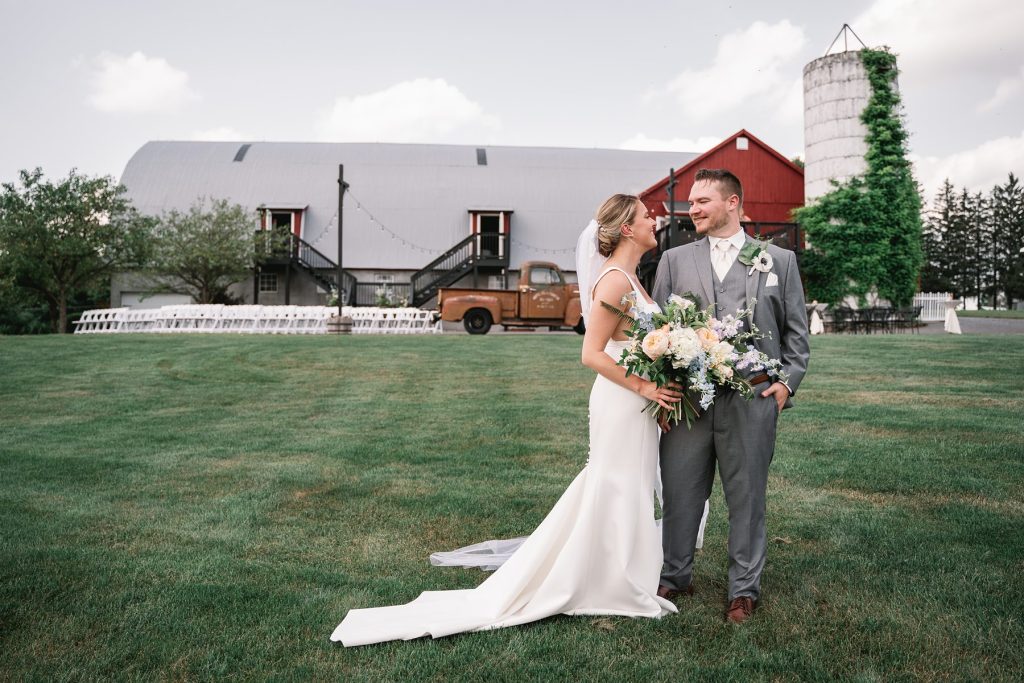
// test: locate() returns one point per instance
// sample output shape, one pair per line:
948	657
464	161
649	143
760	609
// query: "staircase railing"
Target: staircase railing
456	262
274	245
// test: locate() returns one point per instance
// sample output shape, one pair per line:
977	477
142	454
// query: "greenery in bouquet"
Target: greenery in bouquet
689	347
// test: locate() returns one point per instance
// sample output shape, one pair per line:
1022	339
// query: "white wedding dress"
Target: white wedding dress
597	552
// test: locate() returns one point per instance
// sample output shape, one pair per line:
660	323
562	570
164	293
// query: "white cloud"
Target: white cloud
220	134
138	83
977	169
750	66
646	144
937	38
421	110
791	107
1006	90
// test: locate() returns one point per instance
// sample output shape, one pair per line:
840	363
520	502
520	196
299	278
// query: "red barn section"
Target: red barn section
772	184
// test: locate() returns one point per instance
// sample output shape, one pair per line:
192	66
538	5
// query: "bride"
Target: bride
599	549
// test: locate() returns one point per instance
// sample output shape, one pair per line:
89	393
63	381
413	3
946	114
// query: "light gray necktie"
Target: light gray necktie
720	258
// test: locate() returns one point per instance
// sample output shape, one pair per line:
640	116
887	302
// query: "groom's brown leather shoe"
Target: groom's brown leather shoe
740	610
671	594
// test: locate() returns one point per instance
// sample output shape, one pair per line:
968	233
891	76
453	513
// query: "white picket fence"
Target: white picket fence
933	305
212	318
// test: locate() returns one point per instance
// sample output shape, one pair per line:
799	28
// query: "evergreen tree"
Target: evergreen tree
1007	248
937	273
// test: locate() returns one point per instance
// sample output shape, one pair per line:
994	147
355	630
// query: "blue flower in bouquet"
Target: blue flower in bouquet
702	384
643	320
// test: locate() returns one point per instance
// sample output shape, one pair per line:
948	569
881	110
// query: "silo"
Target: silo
836	90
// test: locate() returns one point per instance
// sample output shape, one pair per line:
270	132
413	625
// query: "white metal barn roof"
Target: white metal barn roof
422	193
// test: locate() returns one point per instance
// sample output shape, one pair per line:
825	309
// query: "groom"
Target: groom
737	433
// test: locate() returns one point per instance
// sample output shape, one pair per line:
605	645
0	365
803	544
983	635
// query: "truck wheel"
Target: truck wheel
477	321
580	327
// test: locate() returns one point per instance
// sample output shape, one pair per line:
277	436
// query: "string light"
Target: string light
417	247
543	250
324	230
387	230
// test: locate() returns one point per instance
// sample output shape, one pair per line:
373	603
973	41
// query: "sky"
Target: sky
86	83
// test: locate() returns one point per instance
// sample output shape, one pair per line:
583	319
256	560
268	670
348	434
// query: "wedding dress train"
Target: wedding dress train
597	552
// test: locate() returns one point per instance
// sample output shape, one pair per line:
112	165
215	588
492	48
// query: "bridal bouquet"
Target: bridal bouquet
688	346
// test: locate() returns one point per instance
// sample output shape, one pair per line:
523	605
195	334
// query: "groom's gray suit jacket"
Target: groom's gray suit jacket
779	312
736	433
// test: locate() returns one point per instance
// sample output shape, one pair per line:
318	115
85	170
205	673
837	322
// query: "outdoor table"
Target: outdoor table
817	310
952	322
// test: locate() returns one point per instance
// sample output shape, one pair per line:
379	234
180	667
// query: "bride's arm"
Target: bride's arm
600	328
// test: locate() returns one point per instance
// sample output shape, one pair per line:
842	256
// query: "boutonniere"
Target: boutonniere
755	254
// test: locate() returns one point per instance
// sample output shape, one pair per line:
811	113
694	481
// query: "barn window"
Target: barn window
268	282
742	143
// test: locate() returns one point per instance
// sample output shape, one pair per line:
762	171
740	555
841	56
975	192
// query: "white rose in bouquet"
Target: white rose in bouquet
722	352
684	345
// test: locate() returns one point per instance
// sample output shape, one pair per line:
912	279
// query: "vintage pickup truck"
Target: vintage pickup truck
543	299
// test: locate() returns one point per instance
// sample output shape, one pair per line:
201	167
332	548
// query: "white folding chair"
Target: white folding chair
89	322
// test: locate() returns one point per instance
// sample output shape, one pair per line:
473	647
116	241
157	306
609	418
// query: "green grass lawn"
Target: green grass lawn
991	314
209	507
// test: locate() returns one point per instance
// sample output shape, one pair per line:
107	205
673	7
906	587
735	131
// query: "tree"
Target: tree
966	239
865	234
203	251
936	274
59	240
1007	248
975	243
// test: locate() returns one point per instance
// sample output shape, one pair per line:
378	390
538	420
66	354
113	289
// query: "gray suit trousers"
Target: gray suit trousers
740	436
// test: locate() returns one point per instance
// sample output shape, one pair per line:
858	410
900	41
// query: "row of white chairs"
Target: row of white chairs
252	319
372	320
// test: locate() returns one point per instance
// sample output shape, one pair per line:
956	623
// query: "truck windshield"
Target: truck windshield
544	277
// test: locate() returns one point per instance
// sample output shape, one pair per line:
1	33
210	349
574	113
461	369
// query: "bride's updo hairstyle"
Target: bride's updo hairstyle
617	211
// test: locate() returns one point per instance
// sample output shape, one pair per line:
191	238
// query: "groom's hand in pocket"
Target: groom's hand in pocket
778	391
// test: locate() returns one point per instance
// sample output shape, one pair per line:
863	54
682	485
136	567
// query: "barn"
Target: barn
772	184
417	217
414	217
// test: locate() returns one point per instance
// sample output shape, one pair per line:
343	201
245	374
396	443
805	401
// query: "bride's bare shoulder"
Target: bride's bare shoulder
612	286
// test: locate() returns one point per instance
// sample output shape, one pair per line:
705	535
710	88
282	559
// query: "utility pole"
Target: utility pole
671	203
342	186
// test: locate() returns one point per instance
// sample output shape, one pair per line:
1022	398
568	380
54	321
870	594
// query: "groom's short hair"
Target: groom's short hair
728	184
